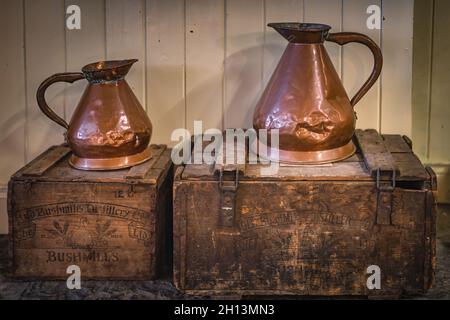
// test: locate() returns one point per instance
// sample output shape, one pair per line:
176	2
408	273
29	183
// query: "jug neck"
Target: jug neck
106	71
302	33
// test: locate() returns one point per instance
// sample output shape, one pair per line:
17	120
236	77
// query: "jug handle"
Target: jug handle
40	94
342	38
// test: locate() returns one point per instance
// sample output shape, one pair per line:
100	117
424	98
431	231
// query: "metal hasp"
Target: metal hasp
228	189
382	167
385	197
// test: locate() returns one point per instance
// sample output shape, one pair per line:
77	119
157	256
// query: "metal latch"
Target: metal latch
385	198
228	198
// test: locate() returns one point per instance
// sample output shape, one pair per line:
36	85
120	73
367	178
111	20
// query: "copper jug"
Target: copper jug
306	100
109	128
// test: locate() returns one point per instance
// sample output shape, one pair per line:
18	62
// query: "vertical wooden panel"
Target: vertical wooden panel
204	62
421	92
12	109
397	69
243	64
12	103
84	46
358	62
125	39
440	110
165	67
327	12
274	44
45	55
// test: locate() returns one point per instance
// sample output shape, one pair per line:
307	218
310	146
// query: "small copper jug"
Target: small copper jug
109	128
306	100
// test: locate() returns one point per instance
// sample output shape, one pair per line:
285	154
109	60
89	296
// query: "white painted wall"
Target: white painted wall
198	60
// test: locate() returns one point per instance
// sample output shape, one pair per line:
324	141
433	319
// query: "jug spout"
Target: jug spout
296	32
107	70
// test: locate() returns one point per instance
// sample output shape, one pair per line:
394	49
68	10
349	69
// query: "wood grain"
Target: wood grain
46	161
44	56
397	69
358	62
422	68
111	230
165	38
140	171
243	61
375	152
205	38
300	234
12	90
439	127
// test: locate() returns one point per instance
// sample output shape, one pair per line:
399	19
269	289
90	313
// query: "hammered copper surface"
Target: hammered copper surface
109	128
305	99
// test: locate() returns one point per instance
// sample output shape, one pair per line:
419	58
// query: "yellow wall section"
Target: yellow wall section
431	87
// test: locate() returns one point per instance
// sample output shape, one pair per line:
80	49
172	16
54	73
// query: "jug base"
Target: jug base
309	157
109	163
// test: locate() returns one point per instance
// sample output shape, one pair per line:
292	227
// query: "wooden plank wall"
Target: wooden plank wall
198	60
431	85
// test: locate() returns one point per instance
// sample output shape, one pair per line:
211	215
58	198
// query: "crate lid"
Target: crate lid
53	165
385	154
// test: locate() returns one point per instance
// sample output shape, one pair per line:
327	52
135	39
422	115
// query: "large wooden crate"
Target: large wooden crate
308	230
112	224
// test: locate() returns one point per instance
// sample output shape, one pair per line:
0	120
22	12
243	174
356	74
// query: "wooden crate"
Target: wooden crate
308	230
112	224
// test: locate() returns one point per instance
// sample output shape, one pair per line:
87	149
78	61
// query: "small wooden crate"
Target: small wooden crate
308	230
112	224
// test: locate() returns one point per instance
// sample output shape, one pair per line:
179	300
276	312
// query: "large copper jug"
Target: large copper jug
306	100
109	128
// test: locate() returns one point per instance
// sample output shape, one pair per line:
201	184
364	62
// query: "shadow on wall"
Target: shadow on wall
165	101
204	100
243	79
244	76
356	68
12	143
11	128
41	132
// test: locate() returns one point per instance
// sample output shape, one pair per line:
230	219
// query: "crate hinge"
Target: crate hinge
385	197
